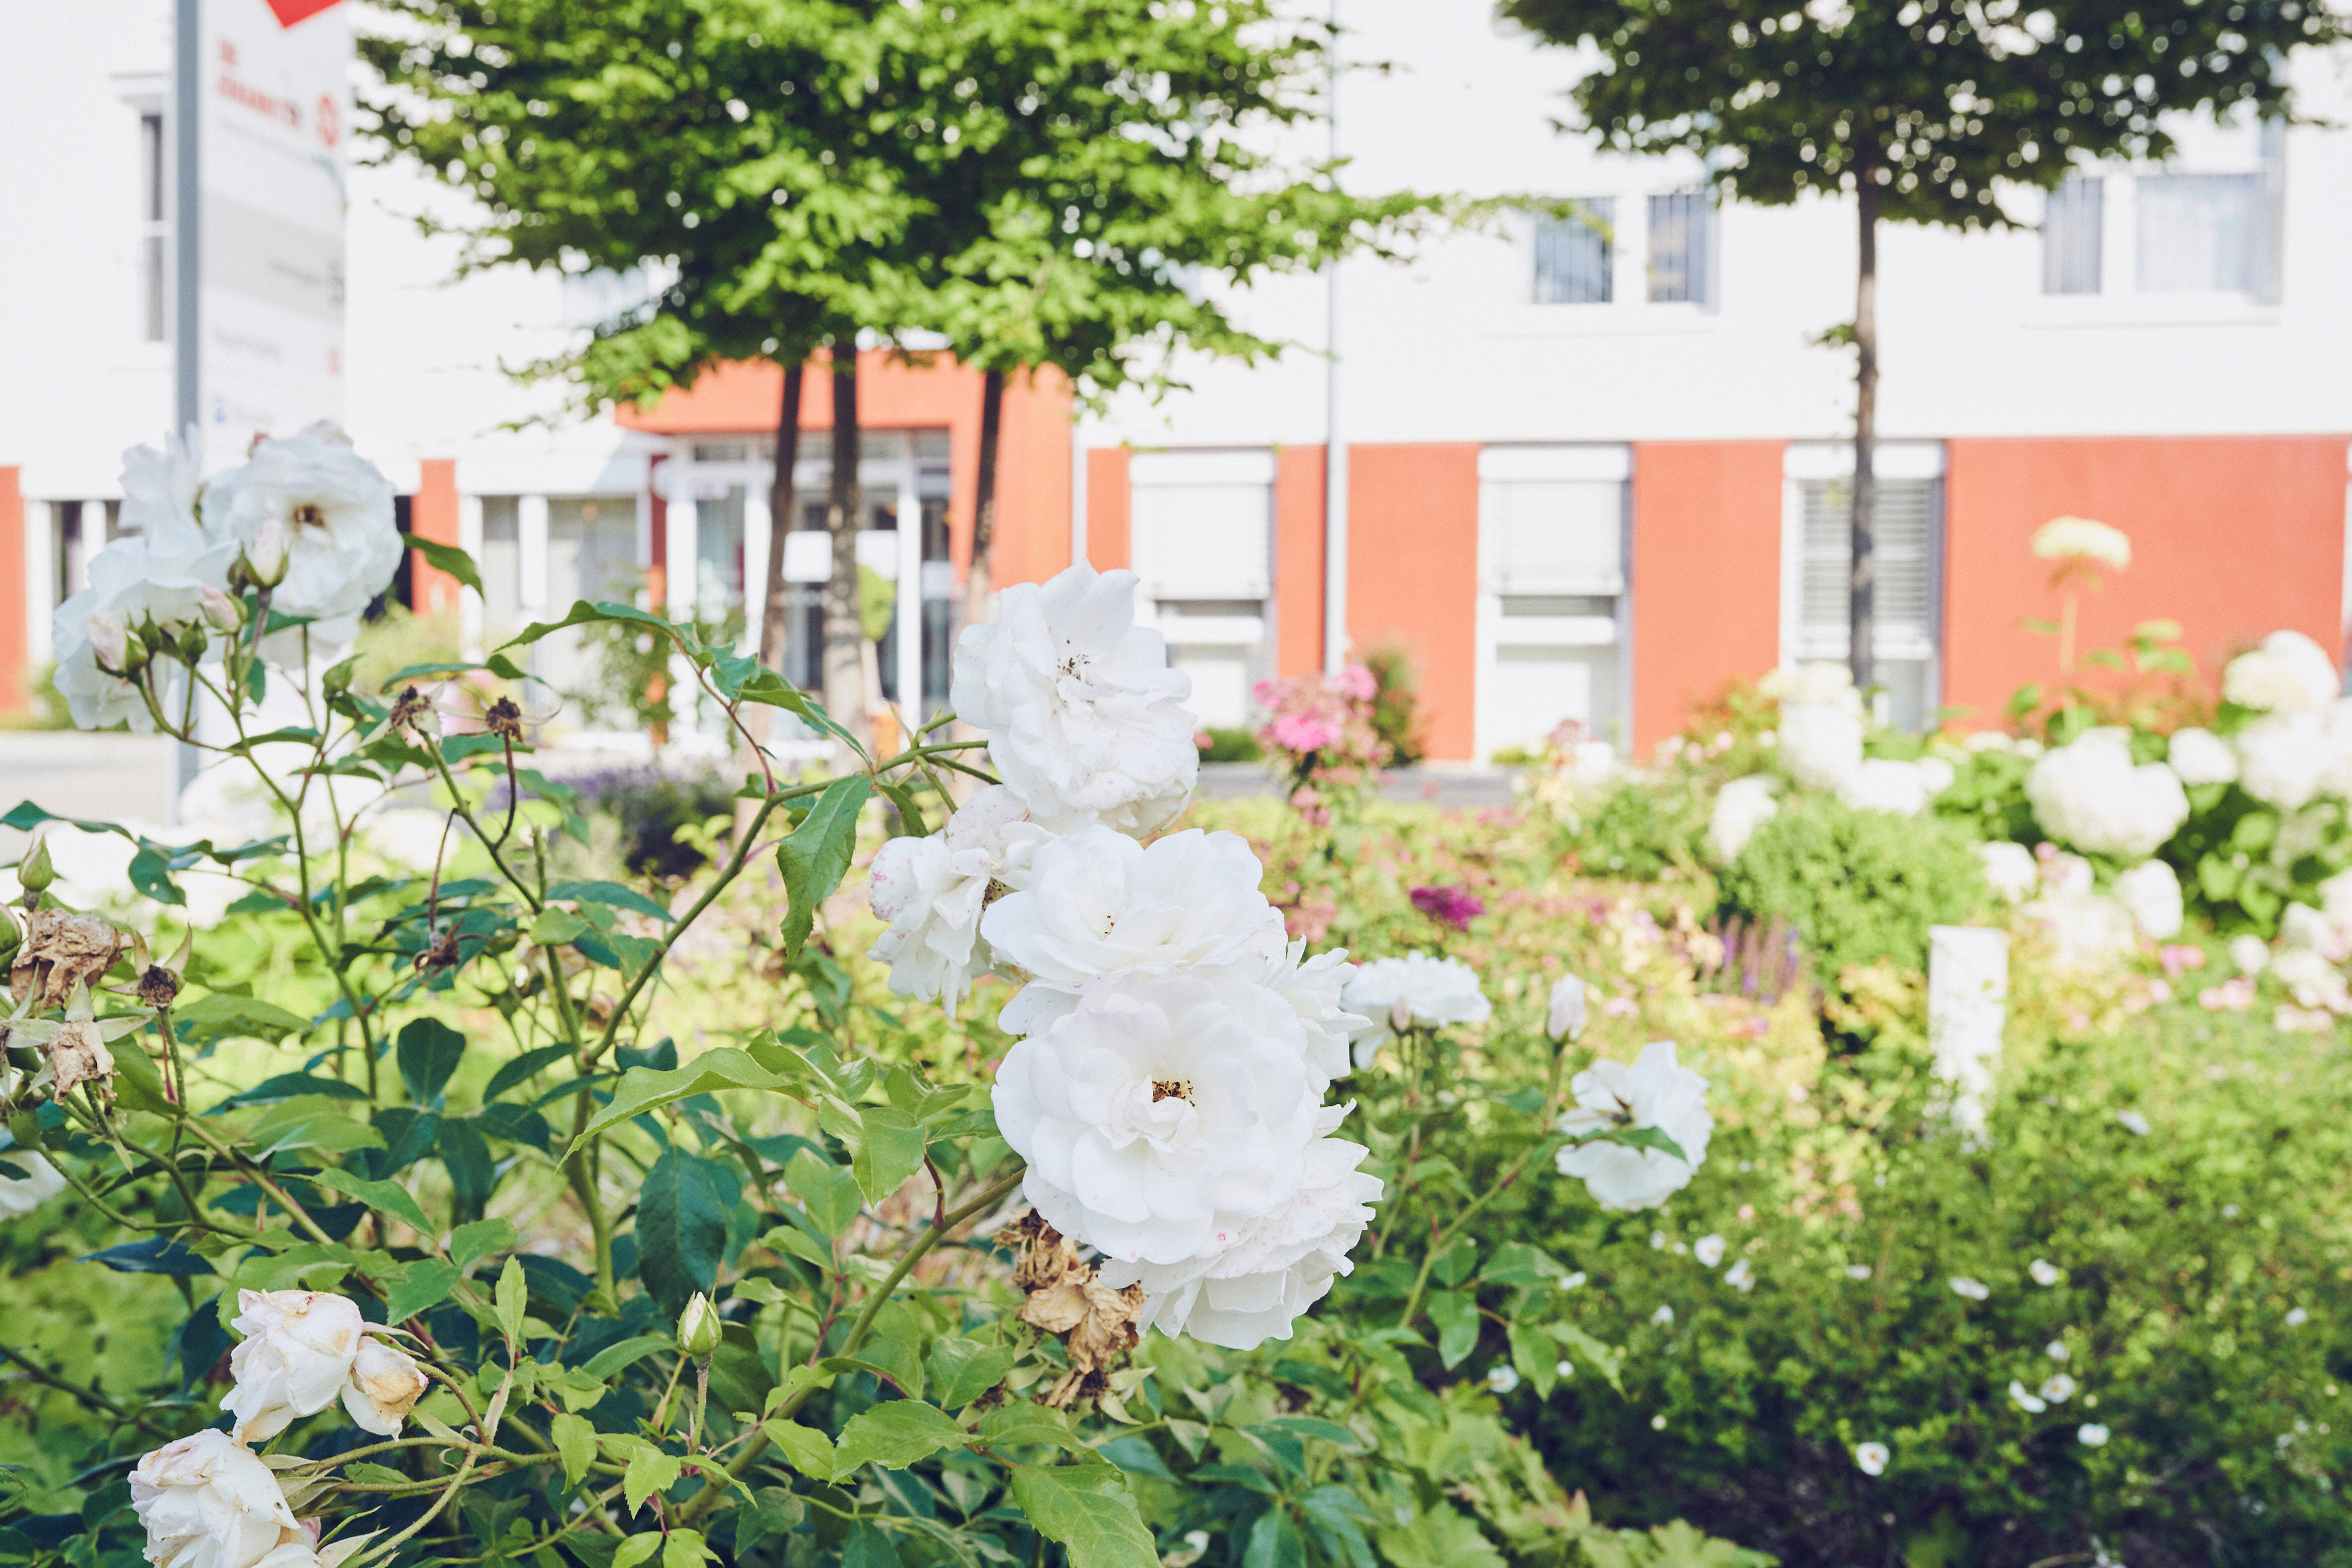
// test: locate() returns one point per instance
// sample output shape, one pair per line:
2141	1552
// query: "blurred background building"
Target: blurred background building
1585	467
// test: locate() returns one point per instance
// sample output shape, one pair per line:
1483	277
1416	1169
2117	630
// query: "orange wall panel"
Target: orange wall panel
433	514
1705	575
1109	499
1298	476
15	599
1412	575
2234	537
1033	506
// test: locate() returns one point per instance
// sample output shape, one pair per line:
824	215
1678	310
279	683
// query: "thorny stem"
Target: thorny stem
90	1397
1437	1245
702	1501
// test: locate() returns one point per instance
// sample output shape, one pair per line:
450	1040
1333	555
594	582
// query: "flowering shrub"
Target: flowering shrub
471	1211
1320	728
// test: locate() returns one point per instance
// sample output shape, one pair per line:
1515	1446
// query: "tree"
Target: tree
1923	108
1042	181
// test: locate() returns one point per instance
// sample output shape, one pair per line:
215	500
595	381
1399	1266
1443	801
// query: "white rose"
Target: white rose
2089	793
334	509
1086	719
160	486
2283	759
384	1385
2151	891
2202	757
135	584
2289	673
1821	742
2250	953
208	1502
1314	987
1655	1091
1163	1113
1708	1250
933	889
1741	807
1418	990
294	1361
1565	1018
36	1182
1099	903
1883	783
1277	1266
2302	927
2009	868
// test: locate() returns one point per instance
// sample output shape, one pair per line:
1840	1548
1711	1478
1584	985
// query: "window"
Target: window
2073	220
1575	255
1681	247
1551	568
1907	549
2204	234
153	270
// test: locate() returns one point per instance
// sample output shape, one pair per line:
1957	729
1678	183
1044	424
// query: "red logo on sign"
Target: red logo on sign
290	12
331	119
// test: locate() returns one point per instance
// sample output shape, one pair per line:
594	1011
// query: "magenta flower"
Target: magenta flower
1302	731
1454	906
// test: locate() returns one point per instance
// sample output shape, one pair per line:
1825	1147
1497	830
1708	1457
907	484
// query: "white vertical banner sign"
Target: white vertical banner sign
270	83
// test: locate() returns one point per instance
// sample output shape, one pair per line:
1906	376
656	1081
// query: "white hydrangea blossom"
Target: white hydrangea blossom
2090	794
1098	903
934	889
1741	807
1901	788
2202	757
329	511
1655	1091
2080	538
2010	868
2151	891
2335	899
2282	760
1416	991
1820	726
2289	673
1086	720
1162	1114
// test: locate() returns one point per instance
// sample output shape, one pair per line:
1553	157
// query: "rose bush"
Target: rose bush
460	1198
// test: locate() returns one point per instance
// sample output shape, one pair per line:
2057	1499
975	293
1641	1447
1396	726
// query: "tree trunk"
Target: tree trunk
979	585
773	634
1864	618
844	635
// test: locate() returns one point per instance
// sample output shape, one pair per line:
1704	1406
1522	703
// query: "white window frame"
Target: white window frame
1591	463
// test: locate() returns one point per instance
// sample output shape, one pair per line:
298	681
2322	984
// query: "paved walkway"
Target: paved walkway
1457	784
96	777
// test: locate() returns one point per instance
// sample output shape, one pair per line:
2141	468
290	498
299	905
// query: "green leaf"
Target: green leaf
456	749
815	855
868	1547
1531	1354
553	928
646	1089
1010	1425
575	1439
311	1122
611	894
636	1548
961	1370
523	1069
227	1017
1456	1313
681	1230
469	1242
895	1435
288	1086
1639	1138
427	1052
739	1378
511	1296
466	1157
151	875
582	614
137	1085
805	1449
1275	1542
772	1511
684	1549
448	558
1087	1509
374	1475
427	1283
886	1144
829	1193
628	1352
389	1196
1604	1359
650	1471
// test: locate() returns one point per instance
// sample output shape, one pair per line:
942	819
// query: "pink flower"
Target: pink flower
1454	906
2176	957
2230	996
1301	731
1356	681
